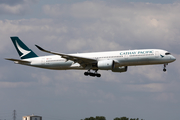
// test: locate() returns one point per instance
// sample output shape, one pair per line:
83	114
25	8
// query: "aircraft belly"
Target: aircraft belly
55	65
61	65
129	61
140	61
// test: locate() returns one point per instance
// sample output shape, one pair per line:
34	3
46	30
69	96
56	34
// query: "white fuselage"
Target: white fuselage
123	58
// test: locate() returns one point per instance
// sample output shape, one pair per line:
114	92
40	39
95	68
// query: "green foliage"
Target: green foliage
135	119
100	118
122	118
116	118
103	118
97	118
125	118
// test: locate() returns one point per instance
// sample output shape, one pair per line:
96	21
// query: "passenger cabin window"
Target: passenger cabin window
167	53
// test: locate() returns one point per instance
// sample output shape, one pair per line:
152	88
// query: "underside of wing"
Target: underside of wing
78	59
18	61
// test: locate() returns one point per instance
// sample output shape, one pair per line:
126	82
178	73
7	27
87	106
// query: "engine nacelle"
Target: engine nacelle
120	69
105	64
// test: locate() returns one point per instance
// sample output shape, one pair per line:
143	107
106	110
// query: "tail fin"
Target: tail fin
23	51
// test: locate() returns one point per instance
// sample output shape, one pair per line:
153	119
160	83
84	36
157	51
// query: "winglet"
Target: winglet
40	48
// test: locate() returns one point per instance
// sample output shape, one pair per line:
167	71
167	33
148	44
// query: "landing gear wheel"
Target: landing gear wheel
98	75
164	69
92	74
86	73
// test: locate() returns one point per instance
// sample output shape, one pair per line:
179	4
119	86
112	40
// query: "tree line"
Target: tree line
103	118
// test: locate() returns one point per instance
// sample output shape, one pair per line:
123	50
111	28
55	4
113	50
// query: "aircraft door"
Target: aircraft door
43	61
126	57
157	54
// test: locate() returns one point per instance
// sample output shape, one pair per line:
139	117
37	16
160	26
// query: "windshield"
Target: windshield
167	53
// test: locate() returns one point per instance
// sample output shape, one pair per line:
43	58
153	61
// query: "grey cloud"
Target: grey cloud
153	1
16	7
15	2
11	2
154	26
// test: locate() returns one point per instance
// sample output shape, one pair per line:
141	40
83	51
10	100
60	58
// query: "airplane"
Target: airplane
116	61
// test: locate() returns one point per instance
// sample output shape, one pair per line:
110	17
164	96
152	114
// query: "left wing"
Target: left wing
78	59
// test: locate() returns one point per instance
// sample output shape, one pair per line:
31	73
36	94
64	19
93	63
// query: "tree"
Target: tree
116	118
122	118
100	118
103	118
97	118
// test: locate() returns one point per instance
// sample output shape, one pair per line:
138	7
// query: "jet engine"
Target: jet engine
109	65
105	64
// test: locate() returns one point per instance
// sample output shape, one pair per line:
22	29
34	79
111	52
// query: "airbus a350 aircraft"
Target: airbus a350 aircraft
116	61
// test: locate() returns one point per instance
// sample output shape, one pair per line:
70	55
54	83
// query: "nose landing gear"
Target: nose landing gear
164	69
92	74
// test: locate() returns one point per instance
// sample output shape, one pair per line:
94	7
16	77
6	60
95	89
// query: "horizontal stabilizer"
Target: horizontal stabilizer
18	61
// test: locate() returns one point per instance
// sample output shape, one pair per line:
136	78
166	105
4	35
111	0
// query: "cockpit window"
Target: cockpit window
167	53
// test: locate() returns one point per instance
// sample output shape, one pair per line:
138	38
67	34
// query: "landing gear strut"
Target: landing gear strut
93	74
164	69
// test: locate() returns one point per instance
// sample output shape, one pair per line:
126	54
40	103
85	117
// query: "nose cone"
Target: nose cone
173	58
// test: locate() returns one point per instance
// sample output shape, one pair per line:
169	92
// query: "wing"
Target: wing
78	59
18	61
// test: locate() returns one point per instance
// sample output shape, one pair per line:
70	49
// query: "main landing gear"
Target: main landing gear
93	74
164	69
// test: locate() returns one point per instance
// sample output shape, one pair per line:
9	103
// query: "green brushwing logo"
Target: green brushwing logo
161	55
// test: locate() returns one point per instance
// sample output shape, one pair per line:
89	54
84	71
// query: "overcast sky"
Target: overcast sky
70	26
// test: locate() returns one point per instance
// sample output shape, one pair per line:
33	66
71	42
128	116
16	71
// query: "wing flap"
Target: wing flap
74	58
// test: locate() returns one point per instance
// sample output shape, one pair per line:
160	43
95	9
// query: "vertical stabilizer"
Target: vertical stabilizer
23	51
